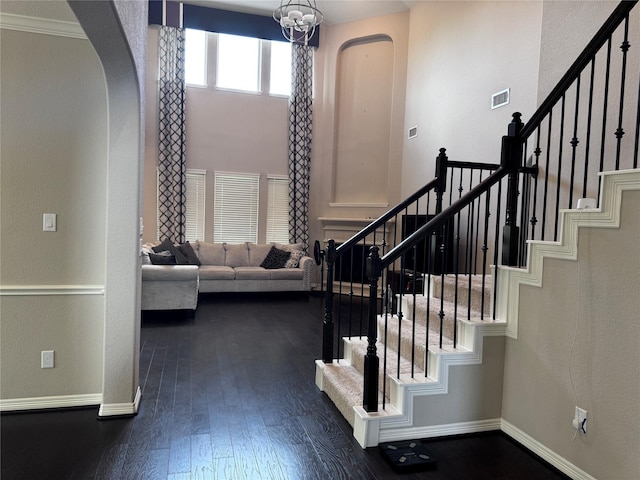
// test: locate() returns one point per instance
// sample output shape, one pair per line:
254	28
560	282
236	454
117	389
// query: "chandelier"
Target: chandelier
298	19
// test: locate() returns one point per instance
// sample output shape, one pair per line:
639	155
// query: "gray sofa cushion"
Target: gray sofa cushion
287	274
216	272
236	255
252	273
210	253
257	253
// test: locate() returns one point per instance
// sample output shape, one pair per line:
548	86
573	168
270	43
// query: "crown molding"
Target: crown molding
10	21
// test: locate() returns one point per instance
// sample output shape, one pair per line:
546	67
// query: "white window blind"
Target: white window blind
278	210
194	228
235	212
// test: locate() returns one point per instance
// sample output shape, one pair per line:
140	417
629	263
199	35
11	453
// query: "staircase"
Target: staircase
402	339
432	365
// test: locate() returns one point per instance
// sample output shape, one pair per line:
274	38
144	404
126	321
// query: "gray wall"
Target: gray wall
577	345
54	160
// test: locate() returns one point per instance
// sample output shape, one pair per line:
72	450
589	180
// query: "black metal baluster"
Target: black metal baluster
496	245
559	175
485	248
623	74
546	176
589	118
605	106
637	140
477	241
534	210
574	141
470	212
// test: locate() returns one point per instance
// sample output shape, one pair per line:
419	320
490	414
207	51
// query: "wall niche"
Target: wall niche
364	88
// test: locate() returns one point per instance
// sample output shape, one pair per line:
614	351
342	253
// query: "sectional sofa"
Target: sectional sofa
173	275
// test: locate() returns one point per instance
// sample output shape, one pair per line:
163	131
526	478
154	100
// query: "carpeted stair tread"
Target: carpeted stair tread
468	285
407	334
359	349
343	384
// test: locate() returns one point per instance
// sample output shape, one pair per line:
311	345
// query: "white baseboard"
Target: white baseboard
434	431
40	403
119	409
544	452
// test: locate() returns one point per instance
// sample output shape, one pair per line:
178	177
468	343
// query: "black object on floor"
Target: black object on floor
407	456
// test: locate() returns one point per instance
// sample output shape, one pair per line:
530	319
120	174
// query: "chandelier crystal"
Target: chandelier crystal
298	19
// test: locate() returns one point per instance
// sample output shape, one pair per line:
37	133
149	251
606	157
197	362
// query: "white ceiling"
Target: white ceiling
334	11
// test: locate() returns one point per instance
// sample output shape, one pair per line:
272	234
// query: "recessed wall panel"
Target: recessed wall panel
364	86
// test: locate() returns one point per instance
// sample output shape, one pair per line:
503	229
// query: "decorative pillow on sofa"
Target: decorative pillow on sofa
294	259
162	258
167	246
258	252
276	258
187	250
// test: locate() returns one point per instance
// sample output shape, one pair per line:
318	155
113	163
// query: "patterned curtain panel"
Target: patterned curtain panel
171	158
300	120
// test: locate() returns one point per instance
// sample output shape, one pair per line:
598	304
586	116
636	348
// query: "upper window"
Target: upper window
195	57
280	76
238	63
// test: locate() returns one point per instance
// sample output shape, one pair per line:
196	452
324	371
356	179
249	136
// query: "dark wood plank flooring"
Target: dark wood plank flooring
230	394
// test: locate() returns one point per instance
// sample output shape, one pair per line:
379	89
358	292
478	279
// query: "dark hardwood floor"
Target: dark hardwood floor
230	394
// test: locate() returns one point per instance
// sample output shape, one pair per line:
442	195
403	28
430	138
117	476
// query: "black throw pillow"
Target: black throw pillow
167	246
164	258
187	250
276	258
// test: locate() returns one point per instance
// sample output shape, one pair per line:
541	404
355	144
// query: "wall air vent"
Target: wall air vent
500	99
413	132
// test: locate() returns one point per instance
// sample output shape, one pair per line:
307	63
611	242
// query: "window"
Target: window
278	210
195	182
235	212
195	57
195	198
280	76
238	63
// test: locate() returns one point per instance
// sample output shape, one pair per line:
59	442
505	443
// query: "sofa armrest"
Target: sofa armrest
307	264
169	273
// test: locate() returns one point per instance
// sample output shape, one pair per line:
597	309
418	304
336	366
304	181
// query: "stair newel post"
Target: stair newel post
371	360
441	175
511	159
327	324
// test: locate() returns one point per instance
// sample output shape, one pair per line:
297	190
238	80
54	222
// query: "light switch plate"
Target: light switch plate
49	222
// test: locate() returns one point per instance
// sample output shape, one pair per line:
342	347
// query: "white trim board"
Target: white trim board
606	216
41	290
118	409
59	401
21	23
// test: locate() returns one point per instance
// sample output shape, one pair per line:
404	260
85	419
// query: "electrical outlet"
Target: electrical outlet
47	359
580	420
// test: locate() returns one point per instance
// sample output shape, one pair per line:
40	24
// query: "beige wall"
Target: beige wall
226	131
460	53
371	151
53	159
578	346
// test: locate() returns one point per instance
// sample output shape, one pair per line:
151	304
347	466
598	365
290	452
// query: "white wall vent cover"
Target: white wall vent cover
500	99
413	132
